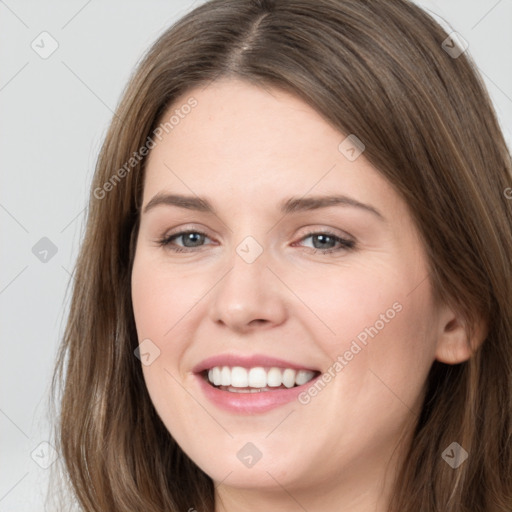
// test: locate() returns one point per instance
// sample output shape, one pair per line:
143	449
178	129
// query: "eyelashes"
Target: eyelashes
168	241
325	236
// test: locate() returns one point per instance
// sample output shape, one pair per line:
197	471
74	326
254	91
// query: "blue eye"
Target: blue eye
194	238
325	242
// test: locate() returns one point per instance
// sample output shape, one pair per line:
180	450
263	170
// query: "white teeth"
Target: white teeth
239	377
303	376
274	378
225	376
257	378
289	377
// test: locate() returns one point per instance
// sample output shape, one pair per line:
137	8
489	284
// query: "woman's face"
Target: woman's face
277	281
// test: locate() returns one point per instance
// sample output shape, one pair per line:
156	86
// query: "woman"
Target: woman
294	288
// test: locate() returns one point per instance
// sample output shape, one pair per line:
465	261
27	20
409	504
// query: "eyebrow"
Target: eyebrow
291	205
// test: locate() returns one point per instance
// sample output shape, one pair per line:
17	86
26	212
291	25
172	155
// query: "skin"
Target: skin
247	149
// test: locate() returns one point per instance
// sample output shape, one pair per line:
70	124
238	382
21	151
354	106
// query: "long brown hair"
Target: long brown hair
374	68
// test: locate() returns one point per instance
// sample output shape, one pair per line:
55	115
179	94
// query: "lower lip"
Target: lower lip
250	403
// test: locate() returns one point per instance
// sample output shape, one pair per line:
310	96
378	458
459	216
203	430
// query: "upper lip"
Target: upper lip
247	361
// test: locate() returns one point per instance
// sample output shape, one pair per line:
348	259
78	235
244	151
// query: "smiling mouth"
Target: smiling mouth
238	379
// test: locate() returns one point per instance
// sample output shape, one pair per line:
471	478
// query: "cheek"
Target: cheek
161	297
162	304
374	324
344	302
401	354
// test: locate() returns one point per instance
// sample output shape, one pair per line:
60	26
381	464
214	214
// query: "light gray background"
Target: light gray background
54	114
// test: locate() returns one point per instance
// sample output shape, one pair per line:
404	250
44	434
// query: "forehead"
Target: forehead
264	142
233	117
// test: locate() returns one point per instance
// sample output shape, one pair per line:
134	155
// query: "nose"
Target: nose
249	296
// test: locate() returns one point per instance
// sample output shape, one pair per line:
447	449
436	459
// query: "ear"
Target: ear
457	341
